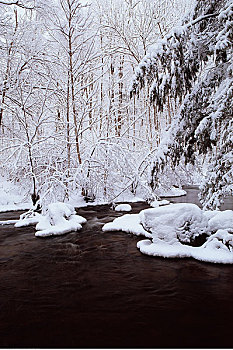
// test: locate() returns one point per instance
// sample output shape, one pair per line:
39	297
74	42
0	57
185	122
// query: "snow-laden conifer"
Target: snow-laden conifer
194	65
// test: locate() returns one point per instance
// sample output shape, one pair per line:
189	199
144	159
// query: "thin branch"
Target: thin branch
17	3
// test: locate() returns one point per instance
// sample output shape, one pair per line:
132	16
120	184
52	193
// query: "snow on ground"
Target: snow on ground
59	218
12	197
173	226
77	200
123	207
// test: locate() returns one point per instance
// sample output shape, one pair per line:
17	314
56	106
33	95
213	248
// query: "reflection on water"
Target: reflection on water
95	289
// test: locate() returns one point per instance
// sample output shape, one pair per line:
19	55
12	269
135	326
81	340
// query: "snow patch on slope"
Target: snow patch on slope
11	197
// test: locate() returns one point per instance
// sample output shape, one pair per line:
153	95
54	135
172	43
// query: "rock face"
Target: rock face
183	222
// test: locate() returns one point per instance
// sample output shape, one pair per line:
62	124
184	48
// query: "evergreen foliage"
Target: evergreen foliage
194	66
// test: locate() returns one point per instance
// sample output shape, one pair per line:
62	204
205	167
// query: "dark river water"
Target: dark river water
92	289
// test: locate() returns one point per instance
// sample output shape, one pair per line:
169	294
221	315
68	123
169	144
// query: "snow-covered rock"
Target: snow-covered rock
172	225
129	223
123	207
58	211
156	203
60	218
64	225
8	222
181	221
175	222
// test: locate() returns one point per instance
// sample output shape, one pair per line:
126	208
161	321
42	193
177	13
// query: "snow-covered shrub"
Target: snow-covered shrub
112	169
12	196
29	218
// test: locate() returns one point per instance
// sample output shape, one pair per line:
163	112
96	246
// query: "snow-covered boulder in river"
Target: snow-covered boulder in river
129	223
123	207
59	218
174	226
182	222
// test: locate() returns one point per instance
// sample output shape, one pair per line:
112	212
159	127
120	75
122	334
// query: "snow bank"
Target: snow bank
11	197
174	226
123	207
60	218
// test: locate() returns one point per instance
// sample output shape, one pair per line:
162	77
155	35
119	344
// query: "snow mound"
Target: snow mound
60	218
182	222
178	250
129	223
156	204
174	226
221	220
57	211
123	207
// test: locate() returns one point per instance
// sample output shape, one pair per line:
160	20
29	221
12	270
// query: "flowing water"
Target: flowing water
94	289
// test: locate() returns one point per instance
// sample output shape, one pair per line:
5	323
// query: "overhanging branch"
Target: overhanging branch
17	3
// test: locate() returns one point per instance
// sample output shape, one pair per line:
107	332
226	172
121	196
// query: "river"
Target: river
91	289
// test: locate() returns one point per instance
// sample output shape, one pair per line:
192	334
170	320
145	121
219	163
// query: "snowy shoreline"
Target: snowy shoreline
170	228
